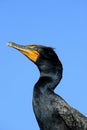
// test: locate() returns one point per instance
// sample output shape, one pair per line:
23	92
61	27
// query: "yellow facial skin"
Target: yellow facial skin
28	51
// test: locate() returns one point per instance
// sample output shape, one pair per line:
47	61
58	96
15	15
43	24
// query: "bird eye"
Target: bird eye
35	48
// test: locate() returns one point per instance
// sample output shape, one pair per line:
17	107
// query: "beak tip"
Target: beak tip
10	44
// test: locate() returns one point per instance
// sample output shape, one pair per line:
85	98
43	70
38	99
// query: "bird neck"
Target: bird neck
49	80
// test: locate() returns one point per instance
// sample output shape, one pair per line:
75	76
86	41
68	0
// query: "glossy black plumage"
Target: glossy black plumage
51	111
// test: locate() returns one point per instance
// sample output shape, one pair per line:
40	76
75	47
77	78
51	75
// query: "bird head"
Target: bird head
44	57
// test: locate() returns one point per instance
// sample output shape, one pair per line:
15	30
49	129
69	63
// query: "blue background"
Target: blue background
59	24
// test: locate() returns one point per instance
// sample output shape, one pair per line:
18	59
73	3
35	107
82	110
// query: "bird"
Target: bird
52	112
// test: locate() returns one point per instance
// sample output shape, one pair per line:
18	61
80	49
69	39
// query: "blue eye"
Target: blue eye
35	48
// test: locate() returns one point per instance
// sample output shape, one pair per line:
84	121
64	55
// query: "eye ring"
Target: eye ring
35	48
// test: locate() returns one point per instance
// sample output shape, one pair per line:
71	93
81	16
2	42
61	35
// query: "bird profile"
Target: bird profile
52	112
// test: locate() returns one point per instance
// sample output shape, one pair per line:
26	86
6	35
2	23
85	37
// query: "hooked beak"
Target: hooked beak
28	51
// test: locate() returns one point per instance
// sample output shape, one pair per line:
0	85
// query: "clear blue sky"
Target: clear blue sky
61	24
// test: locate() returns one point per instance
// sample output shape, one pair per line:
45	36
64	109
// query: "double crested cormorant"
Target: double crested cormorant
51	111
